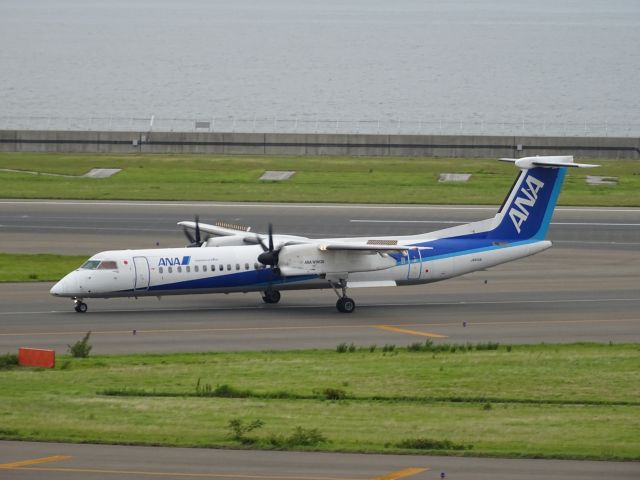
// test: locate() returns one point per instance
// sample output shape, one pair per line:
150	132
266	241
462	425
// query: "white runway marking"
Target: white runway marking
293	205
462	222
120	229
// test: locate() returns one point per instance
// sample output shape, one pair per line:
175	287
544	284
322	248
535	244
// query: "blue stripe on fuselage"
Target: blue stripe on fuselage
251	278
453	247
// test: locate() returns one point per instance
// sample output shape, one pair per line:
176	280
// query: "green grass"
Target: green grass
553	401
40	267
318	179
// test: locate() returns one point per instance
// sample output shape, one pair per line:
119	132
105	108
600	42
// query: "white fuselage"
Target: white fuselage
175	271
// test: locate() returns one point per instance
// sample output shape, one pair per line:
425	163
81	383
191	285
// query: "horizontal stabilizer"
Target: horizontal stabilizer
547	161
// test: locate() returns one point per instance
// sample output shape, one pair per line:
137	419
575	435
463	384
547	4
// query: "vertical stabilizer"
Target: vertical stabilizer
528	208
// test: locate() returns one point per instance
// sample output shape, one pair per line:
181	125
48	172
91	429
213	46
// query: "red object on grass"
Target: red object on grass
36	357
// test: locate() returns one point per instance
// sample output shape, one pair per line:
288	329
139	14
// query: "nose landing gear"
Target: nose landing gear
79	305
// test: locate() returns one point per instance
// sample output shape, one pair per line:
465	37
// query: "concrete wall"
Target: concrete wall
316	144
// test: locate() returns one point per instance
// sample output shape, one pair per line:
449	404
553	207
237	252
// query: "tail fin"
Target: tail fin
527	209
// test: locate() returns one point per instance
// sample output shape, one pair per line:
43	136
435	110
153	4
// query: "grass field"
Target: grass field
553	401
318	179
36	267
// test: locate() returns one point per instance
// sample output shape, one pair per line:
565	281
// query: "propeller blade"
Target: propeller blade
195	241
187	234
198	231
269	256
261	242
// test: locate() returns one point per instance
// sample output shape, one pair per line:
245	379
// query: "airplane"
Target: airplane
231	258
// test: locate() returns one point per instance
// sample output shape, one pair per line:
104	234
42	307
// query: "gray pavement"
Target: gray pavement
59	461
85	227
561	295
586	288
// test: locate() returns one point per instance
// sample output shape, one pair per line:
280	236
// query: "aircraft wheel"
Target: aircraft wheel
346	305
271	296
80	307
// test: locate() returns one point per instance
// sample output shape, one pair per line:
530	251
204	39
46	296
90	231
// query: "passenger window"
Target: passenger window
229	266
220	267
170	269
195	268
246	266
204	268
188	268
237	266
179	269
160	270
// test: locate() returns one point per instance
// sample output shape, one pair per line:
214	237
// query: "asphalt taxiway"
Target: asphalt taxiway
86	227
586	288
59	461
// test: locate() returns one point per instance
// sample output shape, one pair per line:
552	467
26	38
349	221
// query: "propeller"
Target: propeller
269	255
197	240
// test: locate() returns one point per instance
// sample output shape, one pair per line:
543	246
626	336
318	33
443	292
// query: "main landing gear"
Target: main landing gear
344	303
79	305
271	296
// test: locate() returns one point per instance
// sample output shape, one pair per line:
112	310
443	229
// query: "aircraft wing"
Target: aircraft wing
241	232
219	229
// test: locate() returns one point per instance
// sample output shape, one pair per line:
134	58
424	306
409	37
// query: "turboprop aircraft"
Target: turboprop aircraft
234	259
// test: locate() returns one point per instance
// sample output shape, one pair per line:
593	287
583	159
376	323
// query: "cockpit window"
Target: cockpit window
108	265
90	264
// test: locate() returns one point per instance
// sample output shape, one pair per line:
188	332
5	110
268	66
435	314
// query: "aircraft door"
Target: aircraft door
142	274
415	264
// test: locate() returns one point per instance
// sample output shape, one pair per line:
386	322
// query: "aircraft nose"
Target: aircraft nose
59	289
67	287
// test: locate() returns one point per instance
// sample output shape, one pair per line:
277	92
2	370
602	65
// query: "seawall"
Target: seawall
468	146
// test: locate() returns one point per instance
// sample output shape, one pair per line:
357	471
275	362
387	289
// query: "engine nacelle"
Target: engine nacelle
309	260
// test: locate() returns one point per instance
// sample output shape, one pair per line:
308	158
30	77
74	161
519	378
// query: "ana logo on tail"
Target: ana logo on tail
519	213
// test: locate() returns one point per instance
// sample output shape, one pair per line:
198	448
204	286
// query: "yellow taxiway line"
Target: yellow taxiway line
35	461
178	474
27	465
390	476
391	328
323	327
405	472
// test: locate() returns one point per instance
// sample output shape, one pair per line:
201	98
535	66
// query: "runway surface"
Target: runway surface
59	461
85	227
586	288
